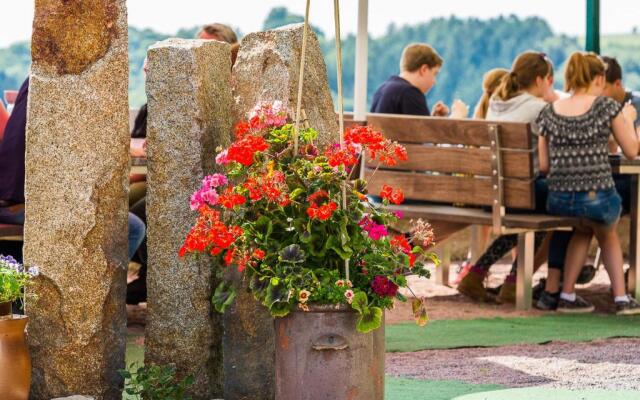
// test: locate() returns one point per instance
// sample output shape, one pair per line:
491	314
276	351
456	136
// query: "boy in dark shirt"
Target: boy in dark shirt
404	93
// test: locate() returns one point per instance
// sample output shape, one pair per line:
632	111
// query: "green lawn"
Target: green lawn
446	334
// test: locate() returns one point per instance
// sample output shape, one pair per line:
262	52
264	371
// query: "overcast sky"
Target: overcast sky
565	16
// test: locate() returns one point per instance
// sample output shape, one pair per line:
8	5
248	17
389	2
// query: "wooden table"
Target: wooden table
620	165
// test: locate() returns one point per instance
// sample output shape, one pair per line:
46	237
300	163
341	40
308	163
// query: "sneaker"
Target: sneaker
579	306
507	293
472	285
547	301
464	270
537	290
630	307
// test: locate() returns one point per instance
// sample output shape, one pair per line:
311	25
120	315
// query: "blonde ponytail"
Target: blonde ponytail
582	68
526	68
490	82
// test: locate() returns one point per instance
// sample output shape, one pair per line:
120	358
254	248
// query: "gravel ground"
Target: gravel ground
601	364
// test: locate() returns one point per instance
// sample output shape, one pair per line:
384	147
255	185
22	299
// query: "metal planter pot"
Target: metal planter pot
321	356
15	364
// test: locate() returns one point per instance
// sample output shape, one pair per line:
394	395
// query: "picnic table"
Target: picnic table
620	165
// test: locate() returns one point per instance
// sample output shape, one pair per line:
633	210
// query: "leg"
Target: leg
557	254
576	256
136	233
612	256
525	270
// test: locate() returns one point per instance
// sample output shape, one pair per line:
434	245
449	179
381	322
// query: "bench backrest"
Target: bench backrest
452	161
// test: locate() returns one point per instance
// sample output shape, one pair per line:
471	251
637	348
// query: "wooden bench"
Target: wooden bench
11	232
471	162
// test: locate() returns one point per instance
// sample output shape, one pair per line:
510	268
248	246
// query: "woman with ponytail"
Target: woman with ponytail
490	82
574	135
519	97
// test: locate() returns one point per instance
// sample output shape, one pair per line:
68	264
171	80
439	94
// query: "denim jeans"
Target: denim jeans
136	233
601	206
560	239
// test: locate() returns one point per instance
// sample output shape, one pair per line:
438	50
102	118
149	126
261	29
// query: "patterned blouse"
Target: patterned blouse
578	154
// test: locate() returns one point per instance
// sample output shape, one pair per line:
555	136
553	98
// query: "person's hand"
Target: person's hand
440	110
138	148
459	109
629	112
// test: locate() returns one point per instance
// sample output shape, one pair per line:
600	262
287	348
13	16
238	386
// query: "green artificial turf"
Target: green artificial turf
447	334
534	393
414	389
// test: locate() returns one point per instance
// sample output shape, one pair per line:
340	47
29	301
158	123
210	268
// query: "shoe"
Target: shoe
630	307
547	301
507	293
464	270
537	290
587	273
472	285
579	306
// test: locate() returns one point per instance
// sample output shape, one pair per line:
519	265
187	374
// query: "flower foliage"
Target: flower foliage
14	278
278	217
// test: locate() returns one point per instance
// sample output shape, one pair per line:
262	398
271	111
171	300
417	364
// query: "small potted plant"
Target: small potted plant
15	364
310	245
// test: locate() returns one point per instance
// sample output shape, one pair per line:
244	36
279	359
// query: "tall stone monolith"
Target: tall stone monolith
189	105
77	165
267	69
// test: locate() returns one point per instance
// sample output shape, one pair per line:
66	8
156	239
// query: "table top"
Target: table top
621	165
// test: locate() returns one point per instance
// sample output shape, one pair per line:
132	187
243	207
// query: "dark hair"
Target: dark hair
526	68
614	71
582	68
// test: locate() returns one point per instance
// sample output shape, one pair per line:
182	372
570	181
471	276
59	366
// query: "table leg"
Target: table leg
526	249
634	241
442	271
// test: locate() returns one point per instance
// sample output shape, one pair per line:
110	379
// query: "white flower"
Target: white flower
349	295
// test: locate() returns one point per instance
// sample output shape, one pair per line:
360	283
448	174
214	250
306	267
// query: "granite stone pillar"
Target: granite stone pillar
267	69
77	166
189	104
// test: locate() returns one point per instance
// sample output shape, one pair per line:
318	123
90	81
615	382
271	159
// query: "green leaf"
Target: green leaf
223	297
295	193
280	308
369	320
419	311
360	302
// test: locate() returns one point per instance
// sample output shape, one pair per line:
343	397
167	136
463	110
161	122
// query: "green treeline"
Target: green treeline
469	46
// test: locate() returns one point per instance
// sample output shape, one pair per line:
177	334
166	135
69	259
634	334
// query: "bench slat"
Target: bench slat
10	231
518	193
416	129
476	216
476	161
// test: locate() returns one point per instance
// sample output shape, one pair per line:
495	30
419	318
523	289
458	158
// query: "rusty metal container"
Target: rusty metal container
321	356
15	364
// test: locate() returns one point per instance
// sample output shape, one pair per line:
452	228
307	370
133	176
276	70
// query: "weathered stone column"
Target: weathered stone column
267	68
189	94
76	205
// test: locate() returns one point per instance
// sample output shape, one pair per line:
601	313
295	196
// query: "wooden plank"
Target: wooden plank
477	216
518	193
416	129
463	160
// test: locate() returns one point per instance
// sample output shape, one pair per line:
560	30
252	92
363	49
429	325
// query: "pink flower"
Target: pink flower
196	200
349	295
374	230
382	286
398	214
222	158
213	181
210	196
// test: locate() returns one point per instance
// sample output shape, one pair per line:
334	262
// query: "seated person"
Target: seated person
405	93
219	32
560	241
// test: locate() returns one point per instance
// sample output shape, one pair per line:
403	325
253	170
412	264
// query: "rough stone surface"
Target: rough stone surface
76	205
189	93
267	68
76	397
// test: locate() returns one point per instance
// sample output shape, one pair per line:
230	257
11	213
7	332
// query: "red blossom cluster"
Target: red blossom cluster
229	198
271	187
400	243
384	150
393	195
382	286
243	150
321	212
210	234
